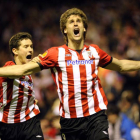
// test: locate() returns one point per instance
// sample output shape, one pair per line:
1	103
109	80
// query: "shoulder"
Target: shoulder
9	63
58	47
94	46
54	50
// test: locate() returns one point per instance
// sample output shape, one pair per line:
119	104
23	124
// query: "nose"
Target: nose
30	49
75	23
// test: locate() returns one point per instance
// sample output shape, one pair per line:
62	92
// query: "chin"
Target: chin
77	39
28	60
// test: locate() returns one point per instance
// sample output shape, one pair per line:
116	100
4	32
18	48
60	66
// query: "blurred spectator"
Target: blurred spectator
128	106
120	126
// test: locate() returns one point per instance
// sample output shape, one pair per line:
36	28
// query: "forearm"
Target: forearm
129	65
123	65
11	71
19	70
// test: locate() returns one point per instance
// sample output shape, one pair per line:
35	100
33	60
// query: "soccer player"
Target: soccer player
74	68
18	108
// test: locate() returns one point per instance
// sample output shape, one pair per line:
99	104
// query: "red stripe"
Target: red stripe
54	78
71	98
30	79
96	102
9	98
84	90
27	107
27	112
103	94
19	103
36	111
61	90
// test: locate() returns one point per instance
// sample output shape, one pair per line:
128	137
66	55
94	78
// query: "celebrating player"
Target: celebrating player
18	108
74	68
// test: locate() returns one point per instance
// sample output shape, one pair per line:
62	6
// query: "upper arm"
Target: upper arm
114	65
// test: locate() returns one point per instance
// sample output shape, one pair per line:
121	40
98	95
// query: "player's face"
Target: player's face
25	51
75	28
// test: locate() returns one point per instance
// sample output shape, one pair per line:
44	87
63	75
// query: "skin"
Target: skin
21	53
75	42
113	118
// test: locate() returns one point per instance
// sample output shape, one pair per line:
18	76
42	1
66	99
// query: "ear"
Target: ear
65	31
84	30
15	51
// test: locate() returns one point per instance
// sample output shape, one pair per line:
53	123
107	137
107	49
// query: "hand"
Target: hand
36	59
36	101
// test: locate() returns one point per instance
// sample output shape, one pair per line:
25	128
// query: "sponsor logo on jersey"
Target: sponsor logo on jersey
26	84
79	62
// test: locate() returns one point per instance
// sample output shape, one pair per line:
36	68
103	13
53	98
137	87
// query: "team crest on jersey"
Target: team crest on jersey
44	54
68	54
89	54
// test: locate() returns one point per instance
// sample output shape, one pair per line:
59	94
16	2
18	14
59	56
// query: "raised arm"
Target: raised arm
19	70
123	65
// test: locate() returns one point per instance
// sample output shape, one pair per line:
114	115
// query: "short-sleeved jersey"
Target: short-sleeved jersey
17	99
76	76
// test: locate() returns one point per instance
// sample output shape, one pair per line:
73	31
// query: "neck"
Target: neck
76	45
17	61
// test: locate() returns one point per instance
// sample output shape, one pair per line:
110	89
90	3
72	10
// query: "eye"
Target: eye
31	46
71	21
26	46
78	20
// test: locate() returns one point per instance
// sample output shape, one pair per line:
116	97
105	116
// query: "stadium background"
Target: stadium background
113	25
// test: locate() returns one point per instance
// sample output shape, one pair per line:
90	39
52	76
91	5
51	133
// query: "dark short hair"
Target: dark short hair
113	109
15	40
67	14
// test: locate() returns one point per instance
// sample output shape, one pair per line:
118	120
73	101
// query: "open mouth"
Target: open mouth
29	56
76	32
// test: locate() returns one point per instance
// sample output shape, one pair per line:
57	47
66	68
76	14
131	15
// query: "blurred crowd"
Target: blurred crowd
113	25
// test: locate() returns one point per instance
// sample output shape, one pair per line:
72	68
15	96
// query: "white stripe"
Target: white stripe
31	101
89	84
58	89
24	104
13	106
31	106
77	86
4	85
25	99
99	95
62	65
100	98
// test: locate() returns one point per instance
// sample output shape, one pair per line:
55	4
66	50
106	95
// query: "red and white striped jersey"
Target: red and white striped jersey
17	99
76	77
